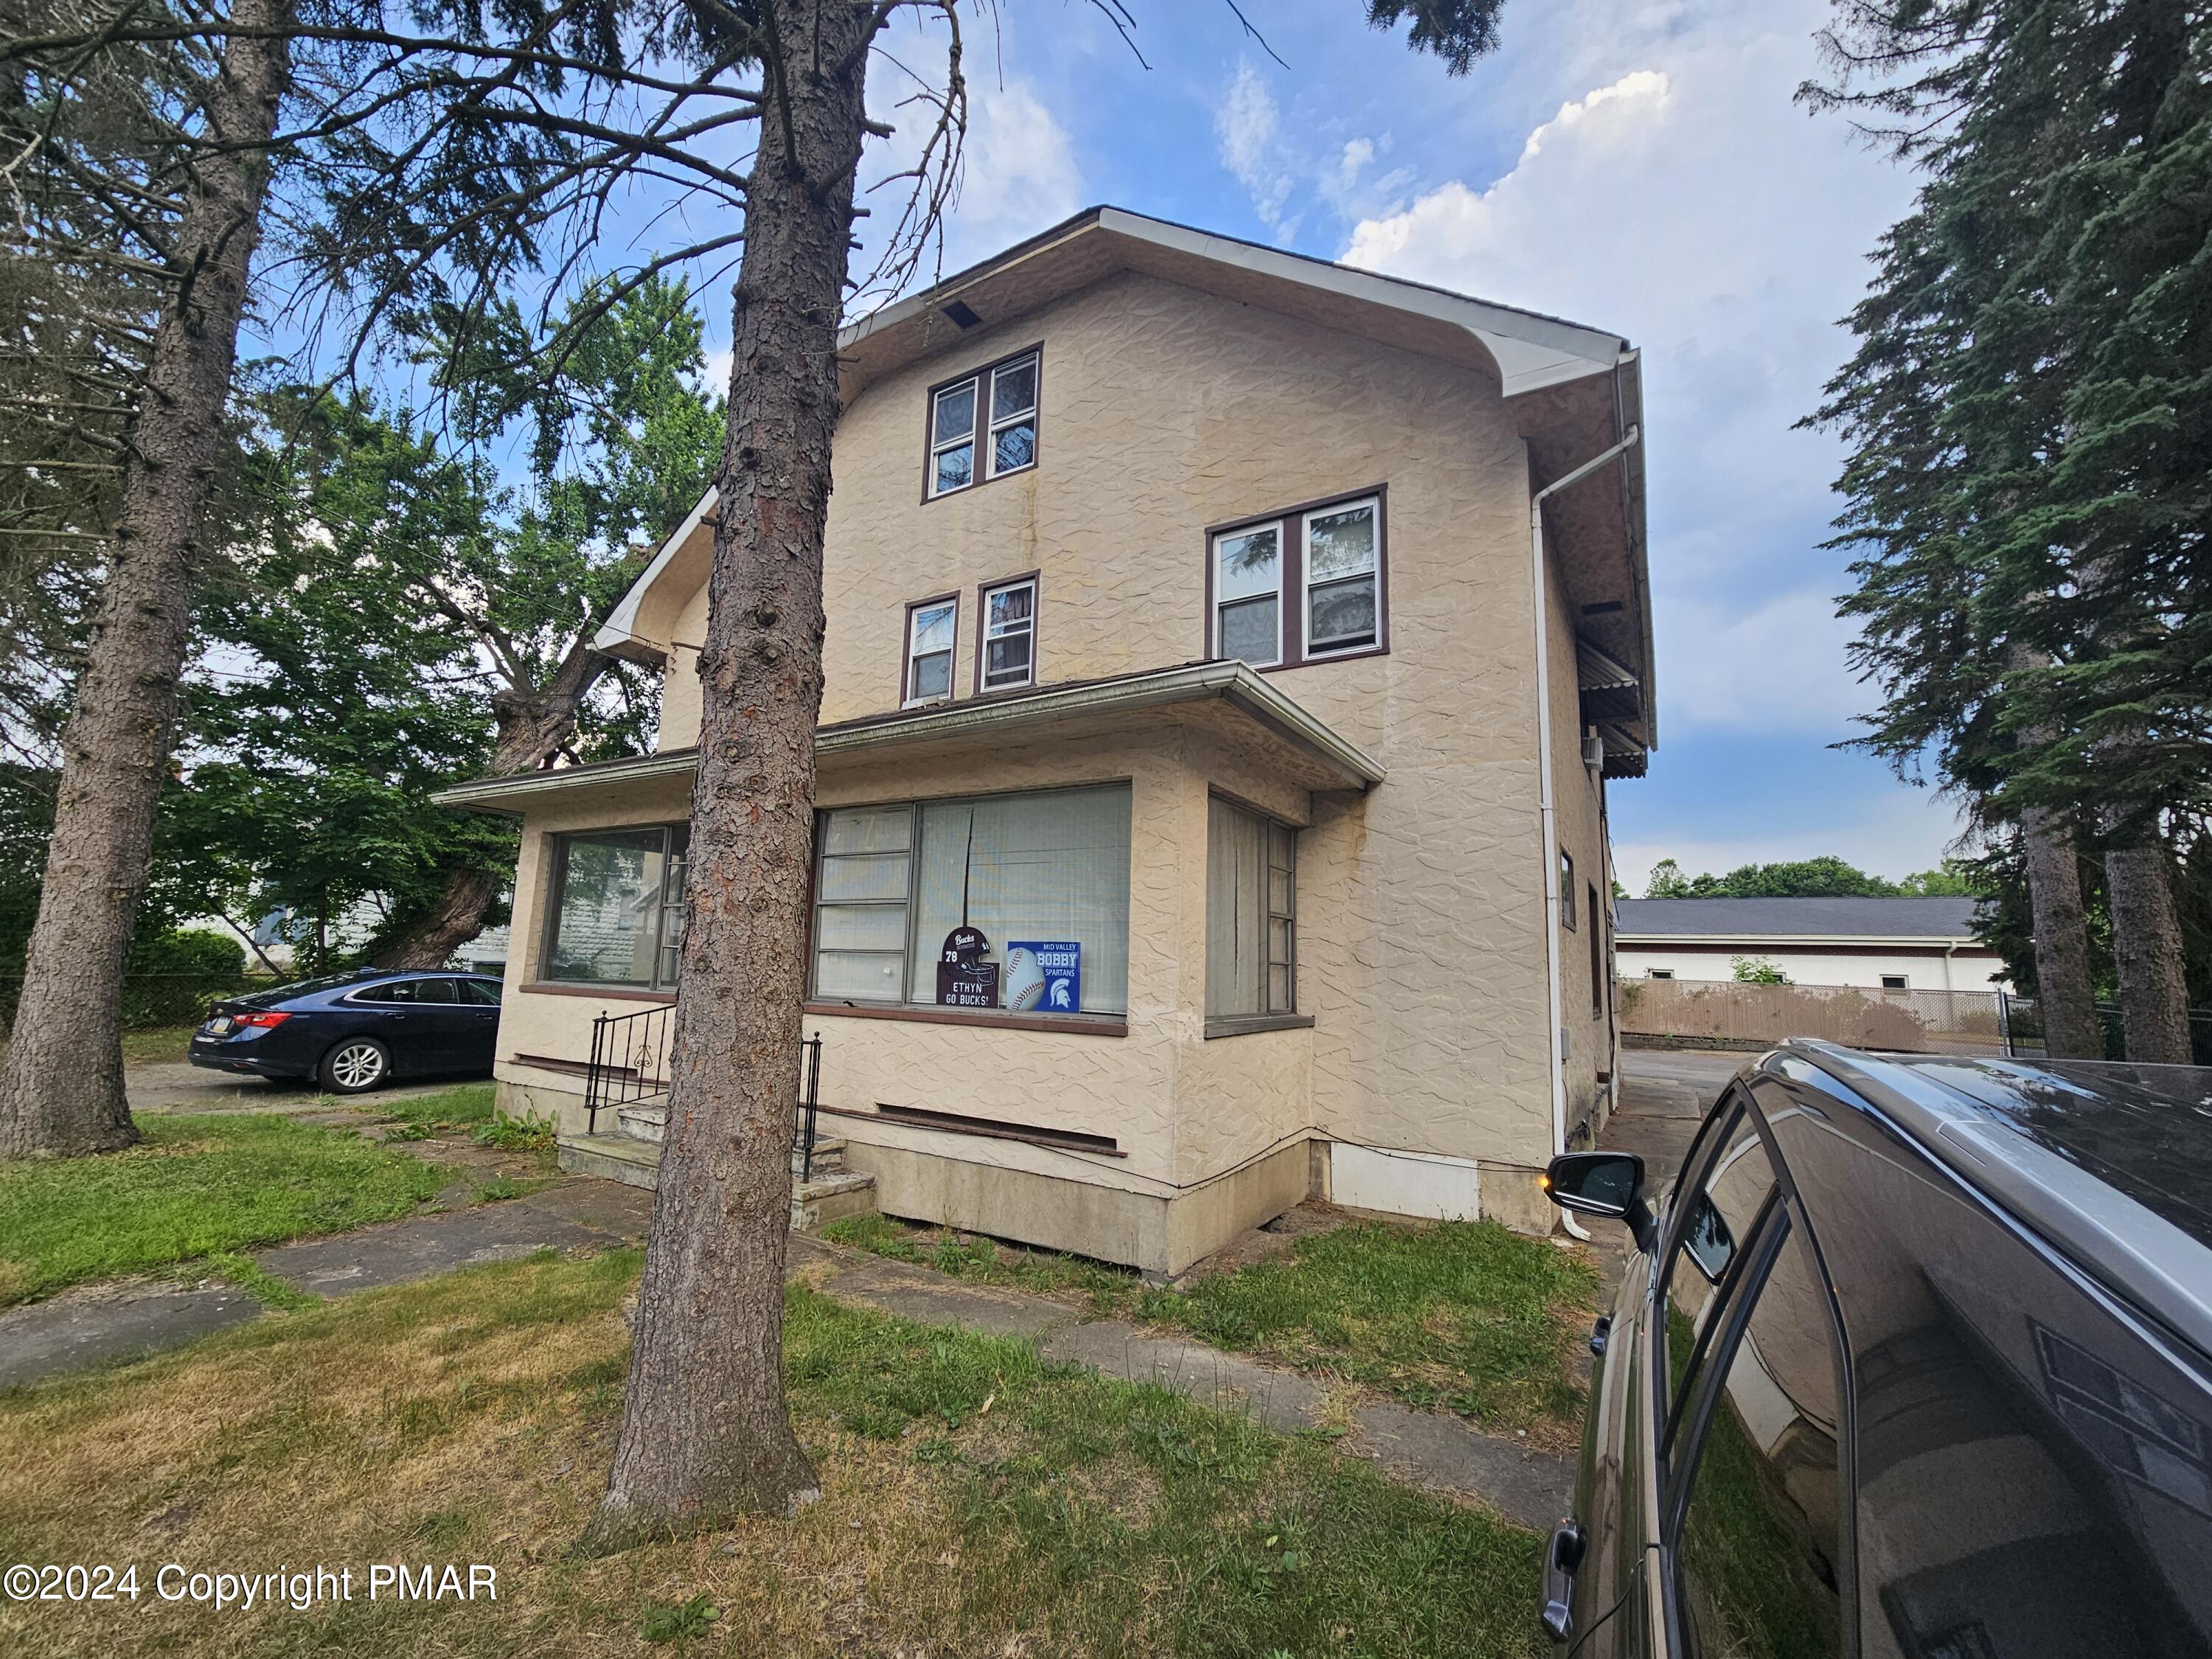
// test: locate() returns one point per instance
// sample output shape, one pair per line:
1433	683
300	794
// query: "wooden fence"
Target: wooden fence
1726	1013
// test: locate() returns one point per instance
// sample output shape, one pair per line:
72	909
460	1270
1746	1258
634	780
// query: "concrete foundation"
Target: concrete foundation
1160	1235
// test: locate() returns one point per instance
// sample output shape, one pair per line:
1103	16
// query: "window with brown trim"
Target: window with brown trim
983	425
1005	635
1308	583
1566	889
933	629
616	911
1597	956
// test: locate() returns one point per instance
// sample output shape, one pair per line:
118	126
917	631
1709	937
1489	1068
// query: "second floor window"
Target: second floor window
1303	586
983	426
1009	636
930	626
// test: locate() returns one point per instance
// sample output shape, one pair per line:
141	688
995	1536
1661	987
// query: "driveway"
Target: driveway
164	1087
1664	1094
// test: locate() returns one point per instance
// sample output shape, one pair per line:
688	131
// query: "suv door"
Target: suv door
1755	1535
1723	1193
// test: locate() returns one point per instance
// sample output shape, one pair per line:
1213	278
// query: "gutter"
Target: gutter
1547	810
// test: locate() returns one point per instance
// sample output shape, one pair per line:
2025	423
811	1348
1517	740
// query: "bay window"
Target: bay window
1305	585
616	916
983	425
1043	877
1251	914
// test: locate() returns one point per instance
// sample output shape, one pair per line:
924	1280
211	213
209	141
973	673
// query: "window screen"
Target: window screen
1251	914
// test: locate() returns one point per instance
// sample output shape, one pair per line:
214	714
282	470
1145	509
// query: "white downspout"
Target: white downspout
1547	810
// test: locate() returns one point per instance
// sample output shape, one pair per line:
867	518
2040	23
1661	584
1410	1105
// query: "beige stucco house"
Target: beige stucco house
1227	655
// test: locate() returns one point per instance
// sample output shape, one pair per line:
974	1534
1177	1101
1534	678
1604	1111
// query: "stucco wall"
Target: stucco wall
1421	925
1578	808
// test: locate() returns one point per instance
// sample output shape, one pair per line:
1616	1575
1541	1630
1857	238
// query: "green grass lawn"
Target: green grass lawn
197	1186
975	1500
163	1043
1463	1315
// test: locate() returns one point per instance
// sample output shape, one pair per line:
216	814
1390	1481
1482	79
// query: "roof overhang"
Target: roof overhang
1306	750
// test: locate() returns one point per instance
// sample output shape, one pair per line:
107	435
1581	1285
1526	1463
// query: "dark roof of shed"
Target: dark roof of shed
1798	918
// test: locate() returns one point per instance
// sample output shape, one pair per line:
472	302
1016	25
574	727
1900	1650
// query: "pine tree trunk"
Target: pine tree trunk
2146	945
531	726
62	1093
705	1432
2065	999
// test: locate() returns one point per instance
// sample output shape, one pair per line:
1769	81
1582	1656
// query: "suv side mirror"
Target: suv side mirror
1602	1183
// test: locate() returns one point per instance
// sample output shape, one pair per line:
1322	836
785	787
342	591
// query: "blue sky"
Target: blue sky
1638	165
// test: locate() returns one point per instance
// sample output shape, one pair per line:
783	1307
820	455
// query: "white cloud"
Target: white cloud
1775	667
1248	127
1680	198
1019	174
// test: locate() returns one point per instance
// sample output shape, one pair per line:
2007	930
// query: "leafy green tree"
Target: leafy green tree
1825	877
1757	970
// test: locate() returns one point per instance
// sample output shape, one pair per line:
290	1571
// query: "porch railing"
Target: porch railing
629	1067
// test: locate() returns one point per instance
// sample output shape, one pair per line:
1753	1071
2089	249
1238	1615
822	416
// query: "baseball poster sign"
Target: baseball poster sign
1044	976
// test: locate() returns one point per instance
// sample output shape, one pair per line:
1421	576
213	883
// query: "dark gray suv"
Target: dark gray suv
1913	1361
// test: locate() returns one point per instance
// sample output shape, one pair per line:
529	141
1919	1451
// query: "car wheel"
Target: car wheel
355	1066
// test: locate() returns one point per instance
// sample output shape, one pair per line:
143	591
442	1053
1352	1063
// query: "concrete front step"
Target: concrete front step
649	1124
830	1196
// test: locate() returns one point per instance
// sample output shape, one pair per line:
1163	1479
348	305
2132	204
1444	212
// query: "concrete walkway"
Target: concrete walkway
107	1324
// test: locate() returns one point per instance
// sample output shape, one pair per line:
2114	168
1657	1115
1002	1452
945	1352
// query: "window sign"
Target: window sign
1045	975
965	980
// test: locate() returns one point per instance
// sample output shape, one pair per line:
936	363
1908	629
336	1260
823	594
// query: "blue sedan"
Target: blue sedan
353	1032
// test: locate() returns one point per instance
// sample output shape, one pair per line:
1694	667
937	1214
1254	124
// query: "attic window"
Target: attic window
994	409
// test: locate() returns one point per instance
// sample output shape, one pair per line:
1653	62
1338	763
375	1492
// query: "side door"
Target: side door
480	1040
445	1029
1755	1539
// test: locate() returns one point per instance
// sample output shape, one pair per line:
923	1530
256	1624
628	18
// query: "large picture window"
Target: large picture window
1305	585
1044	869
983	425
617	911
1251	914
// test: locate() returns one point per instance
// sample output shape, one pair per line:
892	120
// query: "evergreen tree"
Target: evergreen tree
2030	583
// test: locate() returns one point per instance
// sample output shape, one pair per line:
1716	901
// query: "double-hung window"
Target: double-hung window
616	916
1251	914
1008	636
1302	585
1343	564
984	425
930	626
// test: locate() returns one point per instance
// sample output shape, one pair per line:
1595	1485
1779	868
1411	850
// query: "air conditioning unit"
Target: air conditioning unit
1594	751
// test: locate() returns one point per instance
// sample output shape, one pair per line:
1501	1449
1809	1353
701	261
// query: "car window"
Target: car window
1717	1217
435	990
1758	1557
482	991
398	990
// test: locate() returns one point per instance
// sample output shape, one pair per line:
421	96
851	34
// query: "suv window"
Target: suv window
1716	1220
1759	1555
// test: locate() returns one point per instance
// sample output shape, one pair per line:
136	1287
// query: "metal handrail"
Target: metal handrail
628	1067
